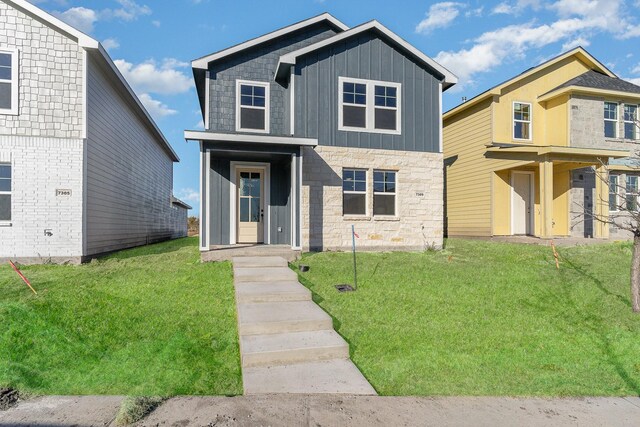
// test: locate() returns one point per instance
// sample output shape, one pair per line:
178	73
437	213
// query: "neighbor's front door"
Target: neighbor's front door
250	206
522	209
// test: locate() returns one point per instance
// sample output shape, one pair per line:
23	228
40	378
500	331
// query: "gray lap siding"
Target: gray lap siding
366	56
128	175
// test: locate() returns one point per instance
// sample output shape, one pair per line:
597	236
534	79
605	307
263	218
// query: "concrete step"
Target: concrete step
263	274
338	376
259	261
281	317
294	347
248	292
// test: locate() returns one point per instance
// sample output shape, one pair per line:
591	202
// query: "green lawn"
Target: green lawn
484	318
147	321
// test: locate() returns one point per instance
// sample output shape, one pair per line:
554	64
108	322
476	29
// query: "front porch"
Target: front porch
531	194
228	252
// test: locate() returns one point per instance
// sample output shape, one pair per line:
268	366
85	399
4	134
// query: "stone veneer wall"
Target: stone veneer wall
50	78
419	222
587	131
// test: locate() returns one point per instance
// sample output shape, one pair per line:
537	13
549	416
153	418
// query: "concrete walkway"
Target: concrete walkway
287	342
333	410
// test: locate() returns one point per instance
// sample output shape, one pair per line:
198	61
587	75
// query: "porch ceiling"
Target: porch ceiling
535	153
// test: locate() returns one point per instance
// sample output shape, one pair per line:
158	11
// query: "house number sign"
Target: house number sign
63	192
419	194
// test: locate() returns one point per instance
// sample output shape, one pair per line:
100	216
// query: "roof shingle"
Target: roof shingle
596	80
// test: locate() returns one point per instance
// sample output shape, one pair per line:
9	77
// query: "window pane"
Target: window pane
5	171
378	176
632	202
348	87
360	186
252	119
521	130
611	110
258	102
348	185
5	207
380	101
361	88
5	60
360	175
259	91
244	209
354	116
613	202
390	187
385	119
384	204
354	204
255	209
349	98
360	99
390	176
521	111
348	174
630	112
245	100
632	184
378	187
5	95
246	90
5	184
630	130
610	129
5	73
391	92
255	187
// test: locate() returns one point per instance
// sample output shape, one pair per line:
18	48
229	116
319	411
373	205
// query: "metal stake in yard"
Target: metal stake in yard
345	287
555	255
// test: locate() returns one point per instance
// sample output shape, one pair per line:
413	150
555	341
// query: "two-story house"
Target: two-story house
519	156
317	127
84	169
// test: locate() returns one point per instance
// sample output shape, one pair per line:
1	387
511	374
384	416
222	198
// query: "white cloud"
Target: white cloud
576	20
580	41
156	24
516	8
474	12
149	77
503	8
636	69
80	18
440	15
129	10
156	108
188	195
635	81
110	44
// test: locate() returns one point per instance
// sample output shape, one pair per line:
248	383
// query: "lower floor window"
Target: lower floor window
5	192
384	193
614	198
631	196
354	192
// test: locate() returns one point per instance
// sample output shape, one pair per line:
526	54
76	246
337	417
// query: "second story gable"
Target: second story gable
361	87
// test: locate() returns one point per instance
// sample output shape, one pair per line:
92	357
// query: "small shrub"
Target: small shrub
135	408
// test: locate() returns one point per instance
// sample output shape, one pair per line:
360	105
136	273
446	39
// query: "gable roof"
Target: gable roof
579	52
289	59
595	80
203	63
89	44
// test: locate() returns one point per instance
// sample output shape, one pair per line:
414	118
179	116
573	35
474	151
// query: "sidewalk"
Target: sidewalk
333	410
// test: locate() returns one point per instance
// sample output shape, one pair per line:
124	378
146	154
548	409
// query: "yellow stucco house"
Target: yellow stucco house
523	157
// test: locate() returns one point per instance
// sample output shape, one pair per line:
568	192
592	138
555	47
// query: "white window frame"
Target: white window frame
266	108
13	110
616	191
379	193
615	121
636	193
8	193
365	192
370	106
636	131
514	120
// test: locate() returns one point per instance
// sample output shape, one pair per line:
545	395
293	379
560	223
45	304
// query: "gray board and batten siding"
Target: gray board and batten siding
279	159
366	56
257	64
129	175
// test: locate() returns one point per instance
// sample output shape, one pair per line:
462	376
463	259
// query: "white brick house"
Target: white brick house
84	170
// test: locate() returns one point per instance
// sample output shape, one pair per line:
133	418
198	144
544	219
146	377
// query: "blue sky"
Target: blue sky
483	43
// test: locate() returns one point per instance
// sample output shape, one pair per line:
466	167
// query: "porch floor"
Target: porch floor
228	252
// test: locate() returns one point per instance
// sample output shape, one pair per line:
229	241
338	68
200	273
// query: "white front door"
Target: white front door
250	205
521	203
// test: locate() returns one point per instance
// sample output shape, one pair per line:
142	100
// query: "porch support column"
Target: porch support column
546	198
204	197
601	203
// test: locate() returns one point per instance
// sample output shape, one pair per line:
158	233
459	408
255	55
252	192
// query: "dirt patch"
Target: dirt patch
8	398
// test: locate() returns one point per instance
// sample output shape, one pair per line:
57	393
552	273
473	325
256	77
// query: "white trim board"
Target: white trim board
266	108
203	63
14	81
196	135
233	194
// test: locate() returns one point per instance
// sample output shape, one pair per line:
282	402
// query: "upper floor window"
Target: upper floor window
384	192
610	120
5	192
8	81
631	122
252	106
369	106
354	192
521	120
